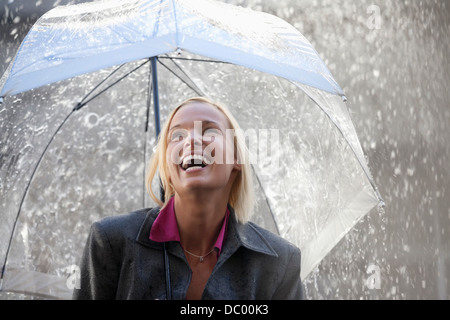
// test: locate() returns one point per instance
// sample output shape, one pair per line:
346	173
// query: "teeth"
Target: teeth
192	168
195	159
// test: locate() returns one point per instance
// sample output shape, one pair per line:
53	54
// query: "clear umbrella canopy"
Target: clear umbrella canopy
312	180
72	40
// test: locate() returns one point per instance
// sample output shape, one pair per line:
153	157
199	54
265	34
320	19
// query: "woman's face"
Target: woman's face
200	150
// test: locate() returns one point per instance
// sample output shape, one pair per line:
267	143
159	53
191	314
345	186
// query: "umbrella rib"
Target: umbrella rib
98	85
176	75
27	188
184	72
196	60
156	26
338	127
267	201
81	105
176	24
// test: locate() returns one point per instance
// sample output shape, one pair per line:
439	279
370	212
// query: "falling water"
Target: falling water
391	58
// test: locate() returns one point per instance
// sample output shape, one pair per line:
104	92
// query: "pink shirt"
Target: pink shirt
165	227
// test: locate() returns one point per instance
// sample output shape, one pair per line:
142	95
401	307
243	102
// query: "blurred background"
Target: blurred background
392	60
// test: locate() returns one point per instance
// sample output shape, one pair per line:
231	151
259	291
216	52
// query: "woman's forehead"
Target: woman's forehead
198	111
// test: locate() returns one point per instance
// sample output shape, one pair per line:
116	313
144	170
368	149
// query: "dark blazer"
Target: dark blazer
121	262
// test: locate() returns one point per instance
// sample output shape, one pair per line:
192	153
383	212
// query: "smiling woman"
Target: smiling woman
200	239
199	127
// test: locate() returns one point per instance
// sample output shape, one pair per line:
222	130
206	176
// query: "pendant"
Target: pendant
201	259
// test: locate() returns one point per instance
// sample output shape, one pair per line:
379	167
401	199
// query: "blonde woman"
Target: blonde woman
198	244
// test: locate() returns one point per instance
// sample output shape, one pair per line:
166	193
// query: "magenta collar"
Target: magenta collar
165	227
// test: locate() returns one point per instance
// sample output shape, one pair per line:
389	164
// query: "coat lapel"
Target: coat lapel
144	232
238	235
143	236
243	235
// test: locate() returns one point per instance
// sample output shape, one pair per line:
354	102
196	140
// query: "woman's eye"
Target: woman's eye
211	134
177	135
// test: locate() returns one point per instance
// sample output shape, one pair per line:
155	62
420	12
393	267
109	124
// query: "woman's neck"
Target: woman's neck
199	221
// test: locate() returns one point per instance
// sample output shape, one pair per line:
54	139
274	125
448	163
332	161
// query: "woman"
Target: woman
199	244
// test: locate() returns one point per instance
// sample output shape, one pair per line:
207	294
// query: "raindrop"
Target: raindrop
91	119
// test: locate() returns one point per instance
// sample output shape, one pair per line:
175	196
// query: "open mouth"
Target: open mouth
194	162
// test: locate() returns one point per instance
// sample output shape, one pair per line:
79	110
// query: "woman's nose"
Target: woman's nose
194	139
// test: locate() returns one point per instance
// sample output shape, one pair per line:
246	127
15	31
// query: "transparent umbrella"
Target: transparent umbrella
83	101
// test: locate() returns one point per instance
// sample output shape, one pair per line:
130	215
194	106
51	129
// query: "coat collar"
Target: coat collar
238	235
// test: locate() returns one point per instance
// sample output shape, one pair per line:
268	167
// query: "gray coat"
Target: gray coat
121	262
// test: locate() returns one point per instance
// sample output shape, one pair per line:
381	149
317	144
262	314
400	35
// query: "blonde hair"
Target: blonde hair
242	197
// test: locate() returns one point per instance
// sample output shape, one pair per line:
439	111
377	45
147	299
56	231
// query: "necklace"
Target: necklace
200	257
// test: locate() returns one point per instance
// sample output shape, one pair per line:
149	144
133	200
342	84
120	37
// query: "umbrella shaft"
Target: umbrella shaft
153	61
